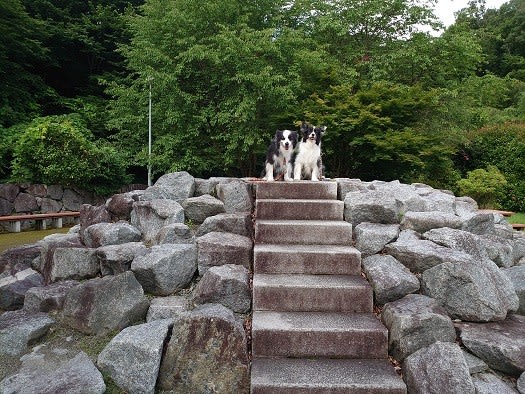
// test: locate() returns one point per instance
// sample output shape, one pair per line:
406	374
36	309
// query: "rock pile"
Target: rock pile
163	273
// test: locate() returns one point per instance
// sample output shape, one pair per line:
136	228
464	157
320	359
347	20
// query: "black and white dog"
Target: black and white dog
278	158
307	161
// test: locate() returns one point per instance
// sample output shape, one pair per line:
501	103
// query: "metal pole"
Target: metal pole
149	136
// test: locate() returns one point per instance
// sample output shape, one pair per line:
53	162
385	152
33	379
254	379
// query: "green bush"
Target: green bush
484	186
61	150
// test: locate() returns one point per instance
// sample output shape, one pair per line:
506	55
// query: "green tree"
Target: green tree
60	150
484	186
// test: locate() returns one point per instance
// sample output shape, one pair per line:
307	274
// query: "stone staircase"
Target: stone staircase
313	328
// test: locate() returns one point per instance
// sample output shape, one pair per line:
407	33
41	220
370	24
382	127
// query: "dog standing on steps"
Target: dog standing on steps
279	156
307	161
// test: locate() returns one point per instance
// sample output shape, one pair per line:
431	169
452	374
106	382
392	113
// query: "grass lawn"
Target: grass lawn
517	218
9	240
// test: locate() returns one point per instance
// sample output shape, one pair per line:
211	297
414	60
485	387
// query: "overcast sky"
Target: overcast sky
445	8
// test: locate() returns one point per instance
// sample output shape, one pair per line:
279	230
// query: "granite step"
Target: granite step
312	293
316	376
303	232
306	259
325	190
299	209
318	334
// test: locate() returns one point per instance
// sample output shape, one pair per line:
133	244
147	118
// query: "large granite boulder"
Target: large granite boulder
120	205
474	290
517	276
372	206
18	329
235	223
500	344
48	298
116	259
227	285
100	305
206	353
132	358
415	322
175	233
489	383
18	258
25	202
371	238
197	209
13	288
55	370
166	307
48	246
102	234
9	191
150	216
90	215
236	196
176	186
424	221
166	268
217	248
74	263
438	368
389	278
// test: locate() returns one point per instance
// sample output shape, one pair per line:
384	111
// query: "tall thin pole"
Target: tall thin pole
149	136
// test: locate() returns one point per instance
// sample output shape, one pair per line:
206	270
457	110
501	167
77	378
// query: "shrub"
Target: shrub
484	186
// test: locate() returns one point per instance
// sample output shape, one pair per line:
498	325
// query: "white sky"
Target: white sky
445	8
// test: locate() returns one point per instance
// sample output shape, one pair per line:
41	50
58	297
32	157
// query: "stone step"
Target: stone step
305	232
312	293
299	209
318	334
325	190
302	376
306	259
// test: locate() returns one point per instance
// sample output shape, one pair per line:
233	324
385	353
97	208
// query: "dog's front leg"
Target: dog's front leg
288	172
315	174
298	168
269	172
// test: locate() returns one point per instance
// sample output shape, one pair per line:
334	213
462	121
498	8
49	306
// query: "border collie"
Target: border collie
307	161
278	158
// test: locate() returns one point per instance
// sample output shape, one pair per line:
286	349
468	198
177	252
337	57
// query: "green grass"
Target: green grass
10	240
517	218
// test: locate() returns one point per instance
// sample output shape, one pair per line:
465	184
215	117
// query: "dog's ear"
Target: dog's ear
323	129
278	134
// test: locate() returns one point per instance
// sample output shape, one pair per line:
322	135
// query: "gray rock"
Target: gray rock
176	233
100	305
424	221
438	368
120	205
458	240
372	206
72	200
55	192
480	223
227	285
216	249
132	358
475	364
74	263
441	201
346	185
14	287
90	215
390	279
499	250
37	190
197	209
518	248
48	246
18	258
177	186
49	205
471	291
500	344
19	328
206	353
236	196
409	197
415	322
6	207
102	234
25	202
520	384
488	383
150	216
420	255
154	193
48	298
466	206
371	238
9	191
49	371
235	223
116	259
517	276
166	268
166	307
